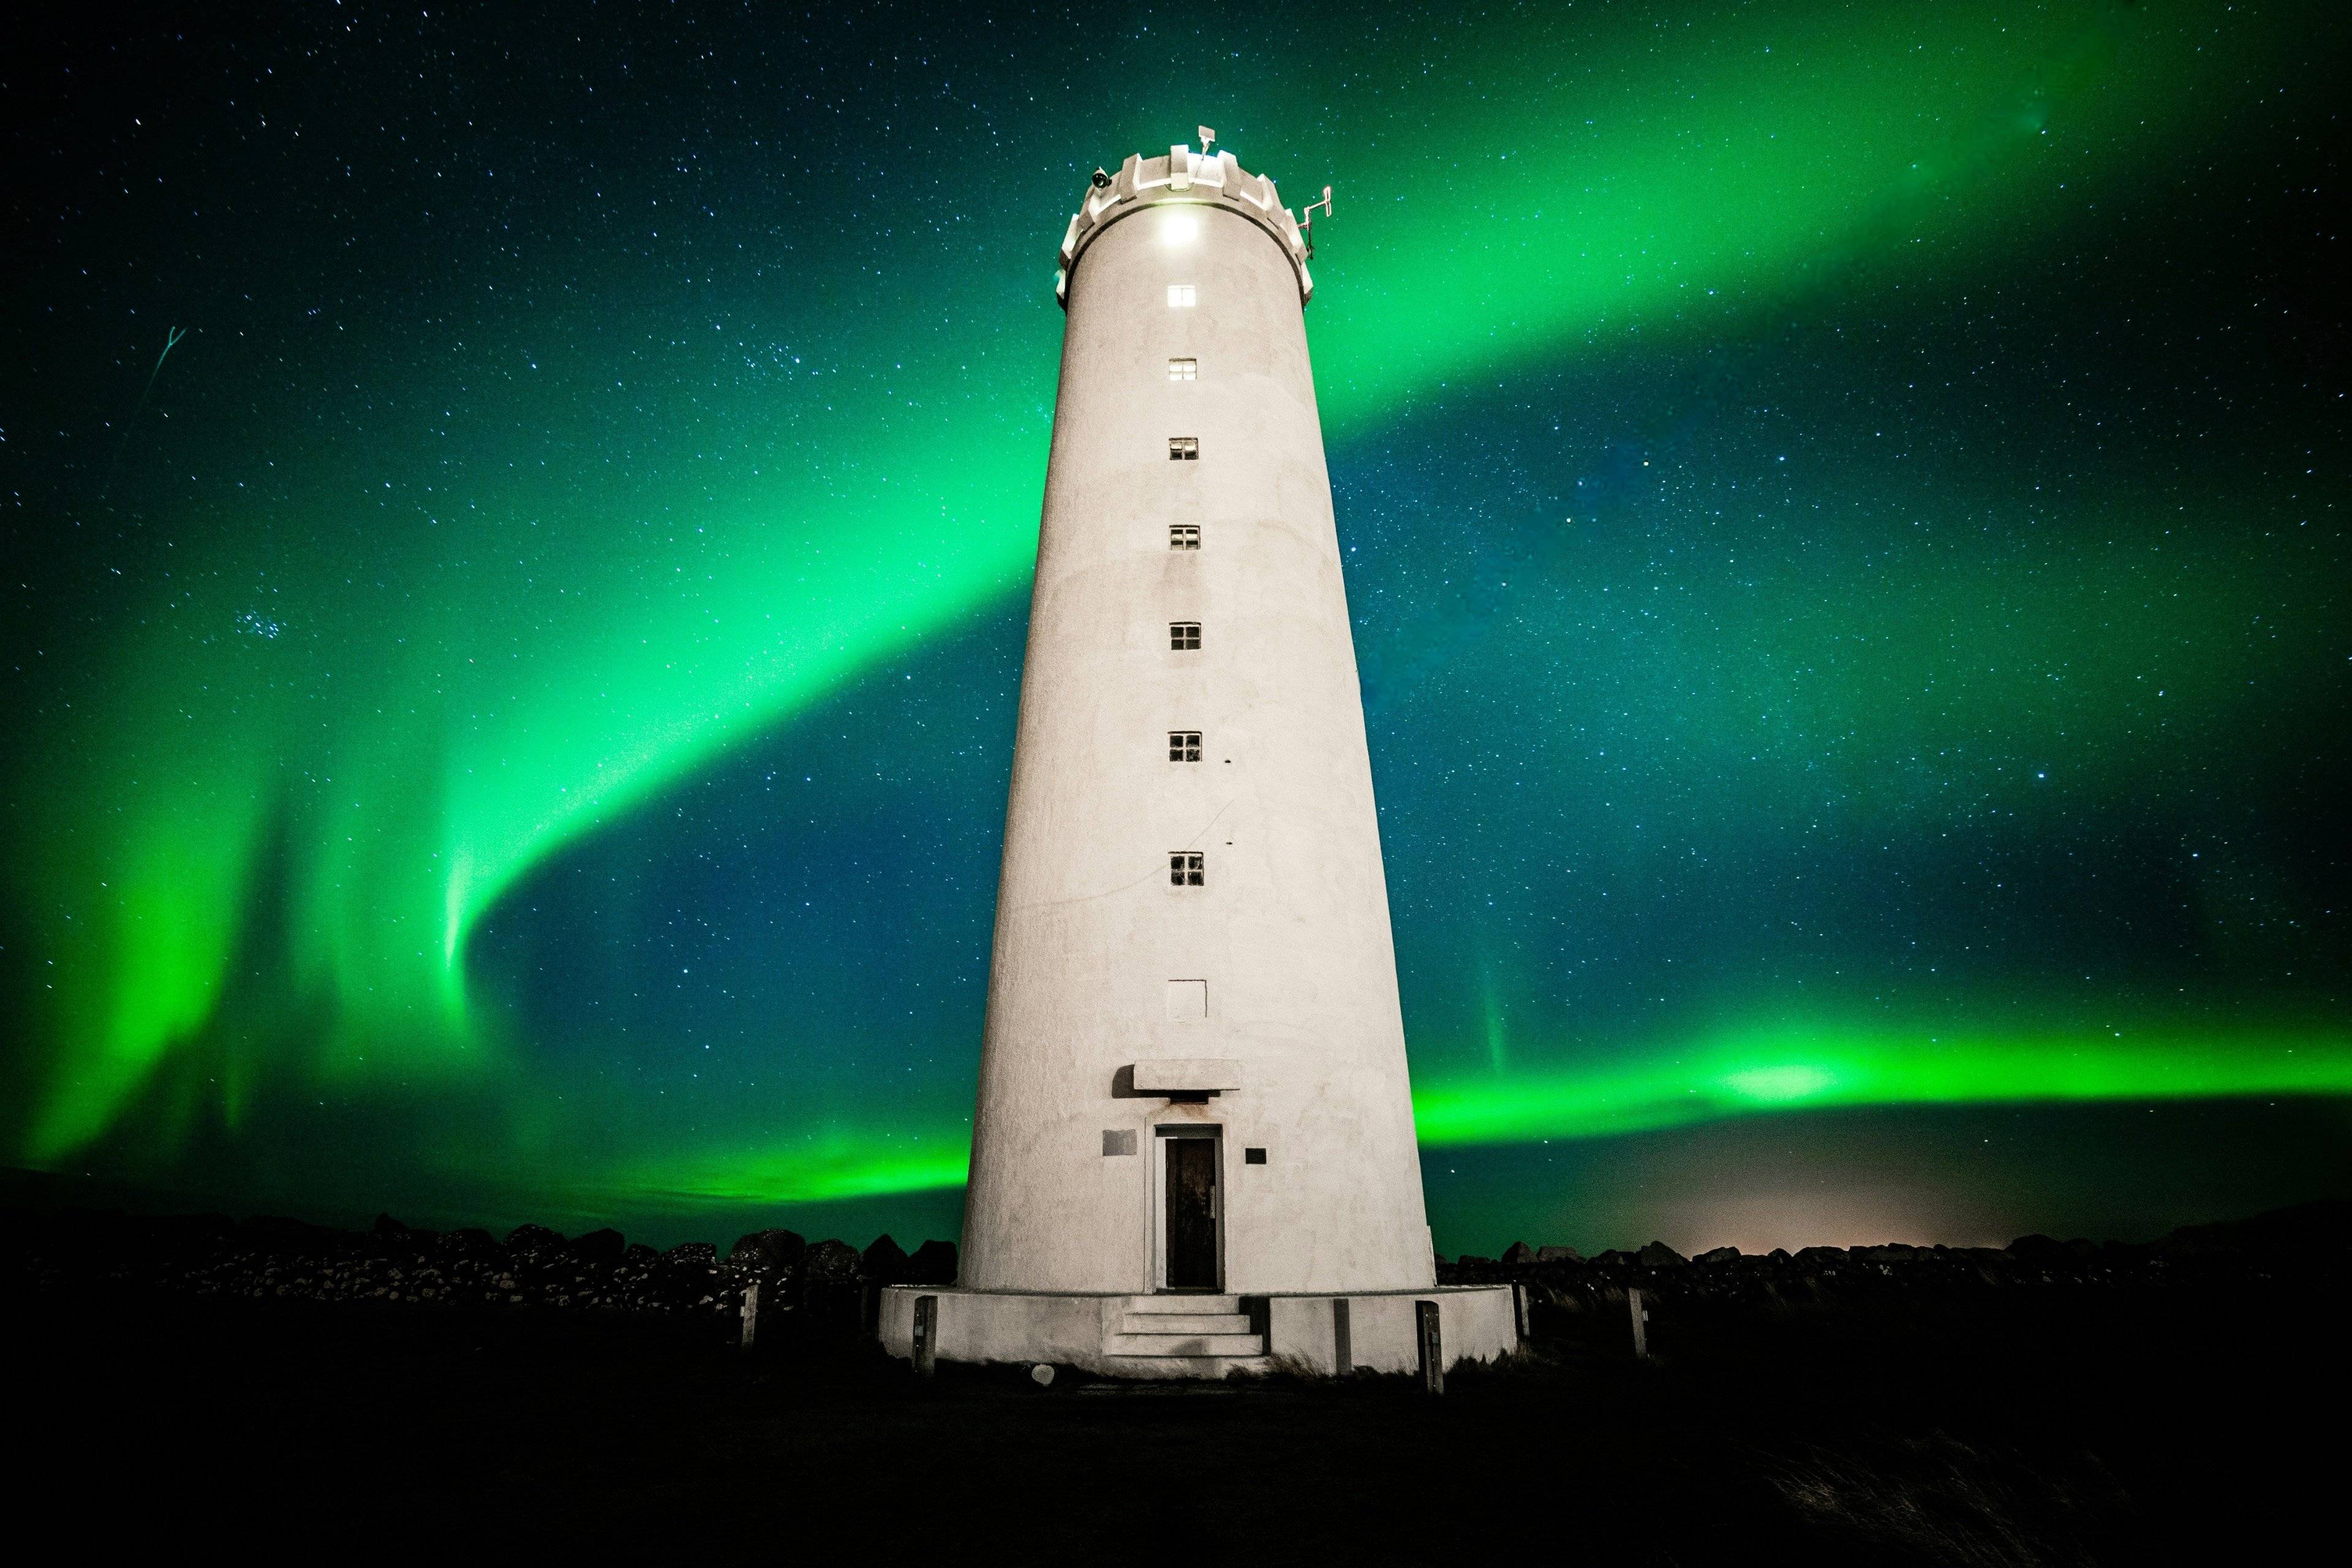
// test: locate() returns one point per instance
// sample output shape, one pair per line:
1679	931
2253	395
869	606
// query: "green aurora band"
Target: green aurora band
457	668
1750	1073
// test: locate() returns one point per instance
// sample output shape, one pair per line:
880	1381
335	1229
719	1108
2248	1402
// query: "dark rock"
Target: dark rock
695	1254
1472	1260
934	1263
1719	1255
1558	1255
768	1250
600	1245
639	1254
181	1235
387	1225
884	1261
2037	1248
2276	1236
1519	1253
831	1263
1658	1255
532	1238
1814	1257
276	1233
473	1238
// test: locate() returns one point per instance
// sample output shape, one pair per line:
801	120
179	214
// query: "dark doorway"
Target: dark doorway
1191	1214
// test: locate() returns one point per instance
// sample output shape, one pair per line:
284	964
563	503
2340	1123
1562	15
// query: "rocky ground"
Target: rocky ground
1578	1299
289	1390
211	1256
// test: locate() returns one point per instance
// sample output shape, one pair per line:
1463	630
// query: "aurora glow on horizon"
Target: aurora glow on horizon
1843	512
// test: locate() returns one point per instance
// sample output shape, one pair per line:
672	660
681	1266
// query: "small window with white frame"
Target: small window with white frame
1183	536
1184	637
1187	868
1180	296
1183	745
1184	448
1183	370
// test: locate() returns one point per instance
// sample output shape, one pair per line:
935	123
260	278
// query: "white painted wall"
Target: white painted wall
1475	1324
1291	932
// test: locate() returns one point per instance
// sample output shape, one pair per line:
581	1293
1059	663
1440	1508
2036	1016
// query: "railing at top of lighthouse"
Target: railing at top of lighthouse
1199	178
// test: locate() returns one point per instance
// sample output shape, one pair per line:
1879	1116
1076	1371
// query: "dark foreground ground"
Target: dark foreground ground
2059	1418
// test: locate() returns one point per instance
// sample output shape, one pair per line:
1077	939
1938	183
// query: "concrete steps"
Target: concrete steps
1203	1328
1186	1322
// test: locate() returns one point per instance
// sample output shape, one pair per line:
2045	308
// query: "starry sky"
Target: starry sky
1843	505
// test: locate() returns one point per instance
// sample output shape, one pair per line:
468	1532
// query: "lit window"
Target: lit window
1183	536
1183	637
1188	1000
1183	745
1180	296
1185	869
1183	370
1184	448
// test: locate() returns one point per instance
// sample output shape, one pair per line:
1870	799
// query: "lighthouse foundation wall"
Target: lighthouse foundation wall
1375	1331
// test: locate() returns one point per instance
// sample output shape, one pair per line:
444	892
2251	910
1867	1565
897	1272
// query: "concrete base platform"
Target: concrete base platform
1197	1336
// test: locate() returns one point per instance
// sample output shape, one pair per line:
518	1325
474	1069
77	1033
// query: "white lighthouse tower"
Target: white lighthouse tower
1194	1146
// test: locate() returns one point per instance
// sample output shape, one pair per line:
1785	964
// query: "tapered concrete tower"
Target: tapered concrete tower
1194	1120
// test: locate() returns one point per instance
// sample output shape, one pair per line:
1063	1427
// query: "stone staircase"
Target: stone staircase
1183	1336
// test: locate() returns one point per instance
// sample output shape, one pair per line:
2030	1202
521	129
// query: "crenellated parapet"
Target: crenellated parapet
1184	177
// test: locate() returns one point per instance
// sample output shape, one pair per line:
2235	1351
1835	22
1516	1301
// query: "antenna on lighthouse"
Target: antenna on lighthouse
1307	220
1208	138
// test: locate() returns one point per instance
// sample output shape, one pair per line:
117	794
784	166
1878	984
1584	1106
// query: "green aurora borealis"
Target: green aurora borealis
1843	509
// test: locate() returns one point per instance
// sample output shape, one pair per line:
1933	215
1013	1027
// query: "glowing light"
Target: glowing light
1798	1068
1178	228
1778	1084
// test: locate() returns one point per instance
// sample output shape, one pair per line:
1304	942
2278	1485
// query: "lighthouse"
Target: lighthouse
1192	1146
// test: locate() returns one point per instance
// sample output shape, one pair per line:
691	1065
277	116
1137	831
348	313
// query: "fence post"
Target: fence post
750	1313
927	1334
1641	1319
1519	1309
1343	1339
1432	1348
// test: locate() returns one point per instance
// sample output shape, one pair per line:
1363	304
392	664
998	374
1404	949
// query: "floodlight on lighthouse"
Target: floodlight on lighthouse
1307	220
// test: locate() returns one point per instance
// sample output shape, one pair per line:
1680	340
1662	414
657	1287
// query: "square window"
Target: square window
1188	1000
1183	745
1118	1141
1252	1156
1187	868
1183	536
1184	448
1180	296
1184	637
1183	370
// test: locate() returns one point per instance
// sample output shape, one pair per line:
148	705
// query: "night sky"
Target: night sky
1845	508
